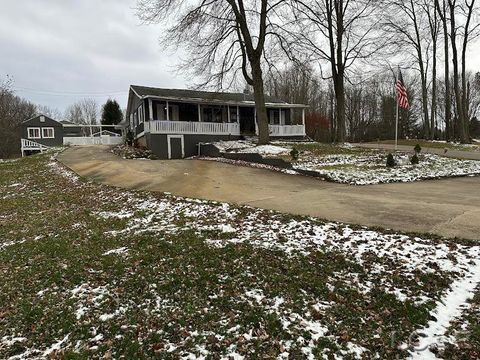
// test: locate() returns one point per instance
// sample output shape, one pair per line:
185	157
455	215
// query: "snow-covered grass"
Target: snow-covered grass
244	146
439	144
371	168
91	271
356	166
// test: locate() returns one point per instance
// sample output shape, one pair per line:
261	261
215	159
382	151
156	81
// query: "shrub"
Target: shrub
294	154
129	138
417	149
390	161
414	160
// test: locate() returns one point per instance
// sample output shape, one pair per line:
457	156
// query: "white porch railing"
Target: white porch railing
29	145
184	127
286	130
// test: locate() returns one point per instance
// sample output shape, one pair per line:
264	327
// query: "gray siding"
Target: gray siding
158	143
49	123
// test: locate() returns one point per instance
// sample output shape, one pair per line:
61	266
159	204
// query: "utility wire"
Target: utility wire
68	93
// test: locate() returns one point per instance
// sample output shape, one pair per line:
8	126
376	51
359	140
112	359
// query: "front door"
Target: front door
247	120
175	146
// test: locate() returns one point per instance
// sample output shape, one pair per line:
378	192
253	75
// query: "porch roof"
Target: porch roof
210	97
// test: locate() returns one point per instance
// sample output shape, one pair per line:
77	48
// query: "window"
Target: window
48	133
233	113
141	116
213	113
33	133
42	118
173	111
275	117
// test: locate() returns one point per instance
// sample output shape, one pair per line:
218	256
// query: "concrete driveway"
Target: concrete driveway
449	208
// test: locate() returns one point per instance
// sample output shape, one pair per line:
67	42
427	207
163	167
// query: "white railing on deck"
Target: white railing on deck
29	145
32	145
286	130
184	127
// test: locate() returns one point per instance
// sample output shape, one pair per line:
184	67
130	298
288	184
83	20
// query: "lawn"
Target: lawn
352	165
92	271
433	144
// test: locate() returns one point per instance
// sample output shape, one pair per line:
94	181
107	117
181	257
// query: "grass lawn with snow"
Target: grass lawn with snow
91	271
370	168
352	165
475	146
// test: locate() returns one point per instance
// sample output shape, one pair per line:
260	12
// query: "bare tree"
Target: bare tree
53	113
73	114
13	111
340	32
83	112
442	12
434	27
223	38
411	23
463	28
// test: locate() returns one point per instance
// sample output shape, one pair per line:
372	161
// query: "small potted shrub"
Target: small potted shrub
294	154
415	160
417	149
390	161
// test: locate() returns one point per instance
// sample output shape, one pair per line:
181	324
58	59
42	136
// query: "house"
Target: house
172	122
41	132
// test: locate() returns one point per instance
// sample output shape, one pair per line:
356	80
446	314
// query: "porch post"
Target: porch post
303	121
168	112
199	114
228	113
150	109
238	114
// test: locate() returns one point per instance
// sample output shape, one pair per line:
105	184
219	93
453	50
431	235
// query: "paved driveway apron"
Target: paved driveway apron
449	208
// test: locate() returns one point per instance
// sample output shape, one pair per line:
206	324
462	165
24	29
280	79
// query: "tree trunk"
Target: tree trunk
427	129
261	109
465	89
340	109
448	100
433	113
456	80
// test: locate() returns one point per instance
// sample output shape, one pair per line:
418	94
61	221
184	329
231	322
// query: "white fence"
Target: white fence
93	140
184	127
286	130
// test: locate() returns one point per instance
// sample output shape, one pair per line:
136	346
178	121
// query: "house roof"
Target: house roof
205	96
38	116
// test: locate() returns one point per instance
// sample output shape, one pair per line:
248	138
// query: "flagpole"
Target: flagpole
396	128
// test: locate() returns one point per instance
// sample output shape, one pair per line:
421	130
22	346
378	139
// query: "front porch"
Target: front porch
233	129
174	117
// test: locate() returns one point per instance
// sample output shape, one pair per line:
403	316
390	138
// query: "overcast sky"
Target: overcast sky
59	51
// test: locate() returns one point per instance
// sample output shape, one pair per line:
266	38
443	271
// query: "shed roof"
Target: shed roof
47	118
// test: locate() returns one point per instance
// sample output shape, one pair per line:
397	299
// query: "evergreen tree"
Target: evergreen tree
111	113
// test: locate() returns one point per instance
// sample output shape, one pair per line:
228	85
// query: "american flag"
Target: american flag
402	95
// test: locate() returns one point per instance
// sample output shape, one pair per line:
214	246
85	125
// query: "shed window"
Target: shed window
48	133
33	133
